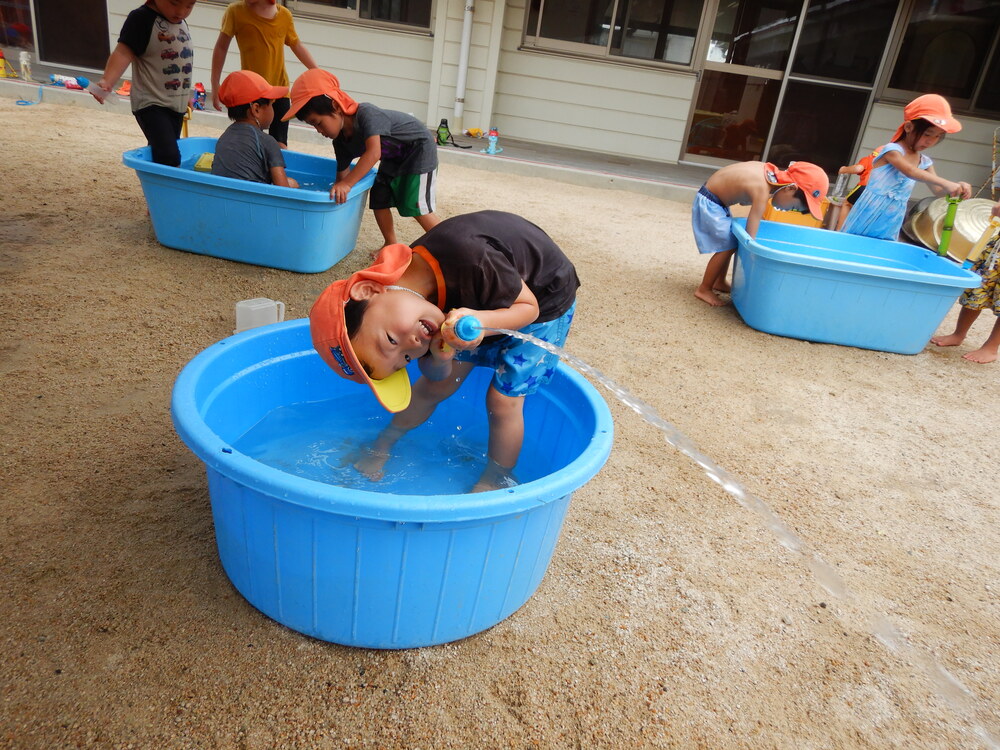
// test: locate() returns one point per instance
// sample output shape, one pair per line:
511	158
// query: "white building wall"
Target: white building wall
966	155
613	108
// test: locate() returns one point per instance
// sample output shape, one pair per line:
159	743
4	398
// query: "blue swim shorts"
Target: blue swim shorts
520	367
712	223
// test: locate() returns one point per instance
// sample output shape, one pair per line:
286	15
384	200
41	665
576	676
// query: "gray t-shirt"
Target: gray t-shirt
246	153
407	145
164	59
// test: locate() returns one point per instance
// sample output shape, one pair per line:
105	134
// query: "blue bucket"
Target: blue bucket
371	568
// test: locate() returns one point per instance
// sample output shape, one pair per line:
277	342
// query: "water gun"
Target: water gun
466	328
65	81
948	226
93	88
977	250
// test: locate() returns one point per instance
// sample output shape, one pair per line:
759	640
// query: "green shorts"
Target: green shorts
409	194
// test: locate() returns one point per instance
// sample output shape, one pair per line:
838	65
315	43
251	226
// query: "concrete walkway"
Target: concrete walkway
671	181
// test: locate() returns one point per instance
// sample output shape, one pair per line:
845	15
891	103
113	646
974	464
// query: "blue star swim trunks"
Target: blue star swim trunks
520	367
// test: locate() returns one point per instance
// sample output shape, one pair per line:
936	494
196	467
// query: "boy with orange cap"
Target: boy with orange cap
495	266
900	164
801	187
402	146
244	151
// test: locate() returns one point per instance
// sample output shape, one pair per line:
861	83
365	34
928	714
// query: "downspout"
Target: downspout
463	68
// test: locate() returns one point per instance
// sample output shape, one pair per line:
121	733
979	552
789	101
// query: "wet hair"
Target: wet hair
354	311
920	125
241	111
320	104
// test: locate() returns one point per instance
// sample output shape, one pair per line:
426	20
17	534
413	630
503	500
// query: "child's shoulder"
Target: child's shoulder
735	182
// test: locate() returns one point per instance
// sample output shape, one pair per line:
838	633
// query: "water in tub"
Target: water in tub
306	180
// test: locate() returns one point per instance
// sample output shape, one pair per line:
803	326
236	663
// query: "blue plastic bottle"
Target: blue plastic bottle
467	328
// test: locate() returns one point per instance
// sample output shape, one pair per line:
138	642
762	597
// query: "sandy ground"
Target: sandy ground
670	615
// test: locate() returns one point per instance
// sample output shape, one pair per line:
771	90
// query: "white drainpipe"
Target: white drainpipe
463	68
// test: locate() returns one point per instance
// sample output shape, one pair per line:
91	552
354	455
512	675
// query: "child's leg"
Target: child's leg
428	221
279	127
506	416
988	351
383	217
966	318
715	272
424	398
162	128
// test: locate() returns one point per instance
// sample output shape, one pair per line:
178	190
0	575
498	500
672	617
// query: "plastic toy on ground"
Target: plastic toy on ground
6	70
839	288
411	560
492	138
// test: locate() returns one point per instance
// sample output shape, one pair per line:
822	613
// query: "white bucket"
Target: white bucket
260	311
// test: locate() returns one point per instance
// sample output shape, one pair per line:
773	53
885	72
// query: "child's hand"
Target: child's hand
448	329
961	190
339	191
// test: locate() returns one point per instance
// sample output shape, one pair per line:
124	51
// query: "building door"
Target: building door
72	33
787	80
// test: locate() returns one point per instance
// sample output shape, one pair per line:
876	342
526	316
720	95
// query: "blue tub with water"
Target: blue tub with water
839	288
292	229
409	561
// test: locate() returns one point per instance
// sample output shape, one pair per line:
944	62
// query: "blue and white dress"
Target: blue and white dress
881	209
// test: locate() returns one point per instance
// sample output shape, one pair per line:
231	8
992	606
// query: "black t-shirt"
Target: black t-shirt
484	256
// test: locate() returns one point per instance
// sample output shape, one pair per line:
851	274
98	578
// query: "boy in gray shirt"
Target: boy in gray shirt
244	151
403	147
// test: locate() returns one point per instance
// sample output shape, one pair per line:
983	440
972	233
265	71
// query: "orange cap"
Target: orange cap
809	177
245	86
316	82
931	107
329	329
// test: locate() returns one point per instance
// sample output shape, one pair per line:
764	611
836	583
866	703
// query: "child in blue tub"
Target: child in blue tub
403	147
151	37
496	266
244	151
974	301
881	209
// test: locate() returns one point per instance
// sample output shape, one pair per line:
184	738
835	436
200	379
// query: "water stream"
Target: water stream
956	695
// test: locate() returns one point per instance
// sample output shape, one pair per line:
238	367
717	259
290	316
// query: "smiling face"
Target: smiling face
174	11
397	328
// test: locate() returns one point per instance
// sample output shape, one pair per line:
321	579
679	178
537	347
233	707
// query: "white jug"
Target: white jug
260	311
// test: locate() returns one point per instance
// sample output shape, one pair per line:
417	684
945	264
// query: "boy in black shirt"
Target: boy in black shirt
495	266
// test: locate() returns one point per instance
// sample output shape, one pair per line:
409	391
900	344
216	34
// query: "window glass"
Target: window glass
732	116
989	95
663	30
945	45
818	123
844	39
757	33
409	12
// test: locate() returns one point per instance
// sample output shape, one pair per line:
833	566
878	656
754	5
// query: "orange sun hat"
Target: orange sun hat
317	82
245	86
812	179
931	107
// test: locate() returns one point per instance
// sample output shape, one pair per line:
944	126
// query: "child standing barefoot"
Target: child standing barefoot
974	301
880	211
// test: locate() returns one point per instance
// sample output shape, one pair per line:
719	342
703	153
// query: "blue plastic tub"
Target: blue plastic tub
371	566
293	229
840	288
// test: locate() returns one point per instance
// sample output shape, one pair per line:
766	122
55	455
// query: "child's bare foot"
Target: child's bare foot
494	477
722	286
709	296
982	356
367	461
952	339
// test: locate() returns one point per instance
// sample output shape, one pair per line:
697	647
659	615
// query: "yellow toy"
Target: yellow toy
6	69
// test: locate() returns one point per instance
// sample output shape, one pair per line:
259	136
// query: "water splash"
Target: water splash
958	697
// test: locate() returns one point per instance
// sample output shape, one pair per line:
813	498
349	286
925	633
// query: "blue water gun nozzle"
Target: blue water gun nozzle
468	328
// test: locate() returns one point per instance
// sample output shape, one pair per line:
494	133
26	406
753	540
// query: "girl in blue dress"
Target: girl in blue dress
881	209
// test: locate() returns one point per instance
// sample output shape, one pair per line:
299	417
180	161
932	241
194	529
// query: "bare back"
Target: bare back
742	183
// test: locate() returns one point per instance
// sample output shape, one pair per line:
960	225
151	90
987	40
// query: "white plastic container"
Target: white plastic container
259	311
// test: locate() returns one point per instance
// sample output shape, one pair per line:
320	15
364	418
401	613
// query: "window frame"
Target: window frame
315	10
531	42
896	95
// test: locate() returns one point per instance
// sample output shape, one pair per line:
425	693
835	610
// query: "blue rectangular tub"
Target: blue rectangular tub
295	230
839	288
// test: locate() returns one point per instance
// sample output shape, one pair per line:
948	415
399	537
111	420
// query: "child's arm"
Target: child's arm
852	169
938	185
121	57
281	179
218	61
348	178
758	203
523	310
305	57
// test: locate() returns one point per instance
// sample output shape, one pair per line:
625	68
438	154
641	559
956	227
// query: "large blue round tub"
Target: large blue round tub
390	564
